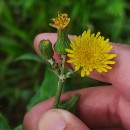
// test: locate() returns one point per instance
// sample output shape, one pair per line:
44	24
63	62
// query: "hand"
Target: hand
99	108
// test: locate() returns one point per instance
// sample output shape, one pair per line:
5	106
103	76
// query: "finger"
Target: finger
120	73
32	117
109	129
57	119
50	36
118	76
98	107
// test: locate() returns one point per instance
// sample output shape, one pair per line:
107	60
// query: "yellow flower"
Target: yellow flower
90	52
60	22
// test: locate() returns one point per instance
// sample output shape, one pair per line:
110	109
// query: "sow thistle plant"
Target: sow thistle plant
87	52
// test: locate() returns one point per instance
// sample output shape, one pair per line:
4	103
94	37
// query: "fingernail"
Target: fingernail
52	120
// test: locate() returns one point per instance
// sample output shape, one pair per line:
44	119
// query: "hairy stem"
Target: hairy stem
60	83
58	93
63	64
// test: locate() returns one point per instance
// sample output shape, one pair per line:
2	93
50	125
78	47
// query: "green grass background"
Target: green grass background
24	79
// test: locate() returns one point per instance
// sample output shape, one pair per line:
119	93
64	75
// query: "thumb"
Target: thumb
57	119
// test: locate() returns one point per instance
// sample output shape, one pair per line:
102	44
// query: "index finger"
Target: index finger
118	76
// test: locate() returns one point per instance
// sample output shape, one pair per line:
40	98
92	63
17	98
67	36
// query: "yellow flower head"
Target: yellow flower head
90	52
61	21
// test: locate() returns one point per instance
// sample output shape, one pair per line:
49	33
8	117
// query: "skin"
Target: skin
99	108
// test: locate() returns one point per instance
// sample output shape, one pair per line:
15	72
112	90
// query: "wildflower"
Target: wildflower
61	21
89	52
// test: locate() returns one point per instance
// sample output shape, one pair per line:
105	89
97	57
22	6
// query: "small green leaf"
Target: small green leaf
71	104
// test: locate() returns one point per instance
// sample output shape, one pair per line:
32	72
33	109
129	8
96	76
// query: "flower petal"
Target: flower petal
70	51
70	55
110	62
82	73
77	67
70	61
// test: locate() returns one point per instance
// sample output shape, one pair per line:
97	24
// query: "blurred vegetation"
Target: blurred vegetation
24	79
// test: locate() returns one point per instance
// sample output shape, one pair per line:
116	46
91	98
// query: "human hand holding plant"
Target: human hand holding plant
98	107
101	107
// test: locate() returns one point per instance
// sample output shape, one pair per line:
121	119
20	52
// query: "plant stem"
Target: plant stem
60	83
58	93
63	64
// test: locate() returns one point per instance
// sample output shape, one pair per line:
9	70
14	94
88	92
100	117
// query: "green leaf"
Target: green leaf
47	89
10	46
116	8
3	123
49	85
7	13
1	7
30	56
100	2
71	104
22	34
19	127
78	82
75	11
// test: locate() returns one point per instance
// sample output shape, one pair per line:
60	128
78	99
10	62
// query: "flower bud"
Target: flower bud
62	42
46	50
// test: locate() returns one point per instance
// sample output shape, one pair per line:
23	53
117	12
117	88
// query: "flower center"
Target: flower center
86	56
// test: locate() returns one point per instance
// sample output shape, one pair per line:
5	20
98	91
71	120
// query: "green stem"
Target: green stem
54	66
60	83
58	93
63	64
